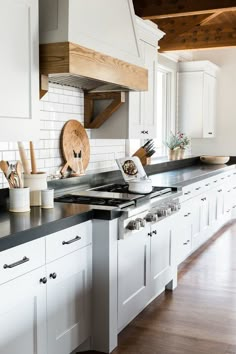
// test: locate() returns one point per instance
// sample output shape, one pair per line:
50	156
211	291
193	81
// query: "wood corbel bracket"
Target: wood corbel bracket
43	85
90	122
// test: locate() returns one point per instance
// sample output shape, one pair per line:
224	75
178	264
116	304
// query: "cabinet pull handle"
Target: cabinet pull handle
185	243
154	232
198	188
150	234
186	215
142	131
43	280
53	275
215	181
220	190
77	238
12	265
186	193
207	184
222	177
210	133
146	132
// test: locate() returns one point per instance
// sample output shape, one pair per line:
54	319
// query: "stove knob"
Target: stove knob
151	217
141	221
133	225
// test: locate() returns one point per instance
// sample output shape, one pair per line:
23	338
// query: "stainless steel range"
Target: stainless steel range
137	209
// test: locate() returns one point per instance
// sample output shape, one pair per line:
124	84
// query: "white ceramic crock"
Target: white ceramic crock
36	183
19	200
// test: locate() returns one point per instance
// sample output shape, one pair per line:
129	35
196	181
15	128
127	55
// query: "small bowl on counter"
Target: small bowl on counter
214	160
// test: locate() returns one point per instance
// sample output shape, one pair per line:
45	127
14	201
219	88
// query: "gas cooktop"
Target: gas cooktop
112	195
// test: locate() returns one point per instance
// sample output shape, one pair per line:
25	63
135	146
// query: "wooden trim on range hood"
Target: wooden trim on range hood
72	59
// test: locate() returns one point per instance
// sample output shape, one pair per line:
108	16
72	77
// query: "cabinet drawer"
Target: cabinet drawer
68	240
21	259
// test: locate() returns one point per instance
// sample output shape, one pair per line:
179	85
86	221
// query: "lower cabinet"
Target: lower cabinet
68	301
183	233
133	275
23	314
161	256
145	267
46	310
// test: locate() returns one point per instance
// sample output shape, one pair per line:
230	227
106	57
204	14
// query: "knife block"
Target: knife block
141	153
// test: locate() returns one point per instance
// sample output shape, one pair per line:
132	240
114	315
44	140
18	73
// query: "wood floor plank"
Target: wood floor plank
199	317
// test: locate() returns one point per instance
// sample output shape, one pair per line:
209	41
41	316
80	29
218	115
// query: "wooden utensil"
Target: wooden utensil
33	159
4	167
23	158
74	137
19	173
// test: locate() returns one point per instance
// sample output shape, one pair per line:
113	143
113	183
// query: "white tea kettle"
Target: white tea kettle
134	174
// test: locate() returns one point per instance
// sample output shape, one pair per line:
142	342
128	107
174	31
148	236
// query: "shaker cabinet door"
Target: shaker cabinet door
23	315
68	301
19	99
133	270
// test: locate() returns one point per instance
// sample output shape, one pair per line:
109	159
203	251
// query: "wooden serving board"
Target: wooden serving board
74	137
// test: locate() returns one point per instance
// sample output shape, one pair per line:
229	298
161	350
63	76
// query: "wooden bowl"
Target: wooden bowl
214	160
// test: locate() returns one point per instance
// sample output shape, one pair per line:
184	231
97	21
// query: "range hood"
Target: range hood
92	48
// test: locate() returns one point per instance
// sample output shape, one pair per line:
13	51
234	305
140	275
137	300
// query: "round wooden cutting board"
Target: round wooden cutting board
74	137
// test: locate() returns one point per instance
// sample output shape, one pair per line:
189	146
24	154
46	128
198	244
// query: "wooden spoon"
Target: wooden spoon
4	167
19	173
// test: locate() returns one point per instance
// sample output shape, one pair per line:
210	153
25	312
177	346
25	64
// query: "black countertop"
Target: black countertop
18	228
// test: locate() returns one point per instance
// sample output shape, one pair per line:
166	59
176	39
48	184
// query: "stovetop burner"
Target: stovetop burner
77	199
124	188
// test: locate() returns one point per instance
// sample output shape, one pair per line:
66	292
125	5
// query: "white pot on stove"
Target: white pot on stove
142	186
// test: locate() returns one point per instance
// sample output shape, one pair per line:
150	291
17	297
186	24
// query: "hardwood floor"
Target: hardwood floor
199	317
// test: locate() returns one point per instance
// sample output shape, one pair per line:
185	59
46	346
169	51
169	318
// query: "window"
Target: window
165	107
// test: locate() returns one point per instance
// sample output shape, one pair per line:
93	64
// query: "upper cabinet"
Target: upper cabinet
197	98
19	70
137	117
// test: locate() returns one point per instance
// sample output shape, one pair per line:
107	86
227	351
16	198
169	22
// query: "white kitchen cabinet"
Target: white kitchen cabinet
133	275
183	233
161	259
19	70
69	301
23	314
197	98
137	117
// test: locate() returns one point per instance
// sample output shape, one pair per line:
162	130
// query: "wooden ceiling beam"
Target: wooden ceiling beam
211	36
152	9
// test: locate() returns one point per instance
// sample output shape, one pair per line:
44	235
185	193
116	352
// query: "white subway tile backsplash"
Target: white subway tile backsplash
58	106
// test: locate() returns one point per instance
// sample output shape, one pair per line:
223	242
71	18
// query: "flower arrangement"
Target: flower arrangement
184	140
173	142
177	144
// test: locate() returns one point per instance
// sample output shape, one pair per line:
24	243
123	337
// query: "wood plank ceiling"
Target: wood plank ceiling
191	24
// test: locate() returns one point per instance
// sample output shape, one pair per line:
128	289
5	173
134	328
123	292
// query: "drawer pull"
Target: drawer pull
185	243
53	275
154	232
210	133
186	193
198	188
220	190
215	181
77	238
207	184
150	234
12	265
43	280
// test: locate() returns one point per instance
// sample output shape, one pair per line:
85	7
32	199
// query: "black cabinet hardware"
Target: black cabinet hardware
203	199
77	238
220	190
210	133
154	232
43	280
150	234
144	132
198	188
207	184
12	265
53	275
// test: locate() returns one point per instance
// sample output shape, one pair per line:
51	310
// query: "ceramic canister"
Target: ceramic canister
36	182
19	200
